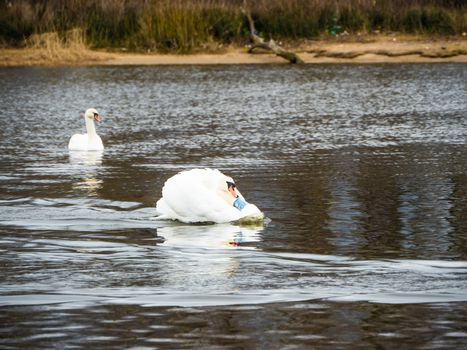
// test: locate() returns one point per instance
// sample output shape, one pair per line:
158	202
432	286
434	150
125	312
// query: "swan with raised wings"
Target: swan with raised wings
89	141
205	195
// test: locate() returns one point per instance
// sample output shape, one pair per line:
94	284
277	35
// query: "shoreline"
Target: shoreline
382	50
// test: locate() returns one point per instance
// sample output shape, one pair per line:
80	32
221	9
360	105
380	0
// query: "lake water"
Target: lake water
361	171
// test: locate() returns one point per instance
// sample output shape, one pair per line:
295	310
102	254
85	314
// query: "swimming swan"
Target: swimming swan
89	141
205	195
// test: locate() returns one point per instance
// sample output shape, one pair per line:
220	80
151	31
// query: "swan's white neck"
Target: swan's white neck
90	127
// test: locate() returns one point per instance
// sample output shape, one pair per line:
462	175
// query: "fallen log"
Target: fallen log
259	43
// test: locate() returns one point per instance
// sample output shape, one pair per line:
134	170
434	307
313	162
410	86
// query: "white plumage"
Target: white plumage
203	195
89	141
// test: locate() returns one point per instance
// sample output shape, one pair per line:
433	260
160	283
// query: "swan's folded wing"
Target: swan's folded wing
189	198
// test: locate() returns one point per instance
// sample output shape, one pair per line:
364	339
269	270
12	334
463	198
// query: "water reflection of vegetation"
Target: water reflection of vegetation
184	26
369	207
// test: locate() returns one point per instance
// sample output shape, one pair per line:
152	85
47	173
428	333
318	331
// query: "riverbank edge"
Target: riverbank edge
386	50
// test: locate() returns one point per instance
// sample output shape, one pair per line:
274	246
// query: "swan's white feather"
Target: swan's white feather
82	142
197	195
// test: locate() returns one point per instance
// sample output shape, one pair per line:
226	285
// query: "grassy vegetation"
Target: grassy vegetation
190	25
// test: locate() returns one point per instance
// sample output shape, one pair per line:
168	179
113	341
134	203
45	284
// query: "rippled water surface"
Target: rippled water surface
360	170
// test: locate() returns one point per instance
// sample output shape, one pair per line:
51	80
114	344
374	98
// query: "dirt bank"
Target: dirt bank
380	50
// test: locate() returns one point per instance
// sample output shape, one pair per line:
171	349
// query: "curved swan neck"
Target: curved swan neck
90	127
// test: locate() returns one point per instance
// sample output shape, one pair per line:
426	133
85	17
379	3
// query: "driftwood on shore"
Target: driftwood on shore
443	53
260	43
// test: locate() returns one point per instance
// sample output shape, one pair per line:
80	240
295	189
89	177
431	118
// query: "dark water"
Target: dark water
362	171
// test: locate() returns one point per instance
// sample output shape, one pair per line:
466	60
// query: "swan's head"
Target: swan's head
232	189
234	195
225	184
92	114
229	186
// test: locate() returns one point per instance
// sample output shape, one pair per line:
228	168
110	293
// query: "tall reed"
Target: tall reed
188	25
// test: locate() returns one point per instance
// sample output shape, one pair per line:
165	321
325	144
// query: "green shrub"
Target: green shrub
432	20
16	23
437	21
351	19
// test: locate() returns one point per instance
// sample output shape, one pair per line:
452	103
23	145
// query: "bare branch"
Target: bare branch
259	43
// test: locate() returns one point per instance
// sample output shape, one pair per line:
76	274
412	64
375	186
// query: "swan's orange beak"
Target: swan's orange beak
97	117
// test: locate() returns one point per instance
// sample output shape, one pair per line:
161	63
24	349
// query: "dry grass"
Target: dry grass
69	48
184	26
52	49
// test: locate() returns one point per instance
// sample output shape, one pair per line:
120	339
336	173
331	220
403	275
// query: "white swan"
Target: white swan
89	141
205	195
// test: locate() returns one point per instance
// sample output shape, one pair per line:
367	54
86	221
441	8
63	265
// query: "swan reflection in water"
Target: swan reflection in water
202	255
85	167
211	236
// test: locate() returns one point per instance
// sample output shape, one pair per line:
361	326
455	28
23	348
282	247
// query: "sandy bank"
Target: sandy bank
388	50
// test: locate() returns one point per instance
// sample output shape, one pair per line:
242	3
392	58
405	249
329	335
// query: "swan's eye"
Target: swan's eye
230	184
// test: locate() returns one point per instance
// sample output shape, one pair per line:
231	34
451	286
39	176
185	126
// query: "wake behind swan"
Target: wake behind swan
205	195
